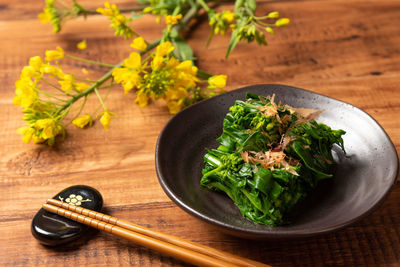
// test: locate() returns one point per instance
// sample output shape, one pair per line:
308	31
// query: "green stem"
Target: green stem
90	61
188	16
55	87
105	99
204	5
100	99
84	80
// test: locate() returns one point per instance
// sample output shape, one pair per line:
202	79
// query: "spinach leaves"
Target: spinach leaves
269	158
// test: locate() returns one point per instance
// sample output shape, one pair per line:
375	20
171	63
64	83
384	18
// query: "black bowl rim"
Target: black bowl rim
262	234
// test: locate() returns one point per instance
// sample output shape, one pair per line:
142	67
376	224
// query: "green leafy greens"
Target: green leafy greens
270	157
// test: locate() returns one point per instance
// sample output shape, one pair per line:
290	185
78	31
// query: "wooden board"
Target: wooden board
345	49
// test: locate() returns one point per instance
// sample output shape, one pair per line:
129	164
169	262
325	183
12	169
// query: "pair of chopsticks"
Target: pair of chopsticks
176	247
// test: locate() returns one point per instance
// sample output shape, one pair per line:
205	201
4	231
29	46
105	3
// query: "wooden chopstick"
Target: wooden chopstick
173	246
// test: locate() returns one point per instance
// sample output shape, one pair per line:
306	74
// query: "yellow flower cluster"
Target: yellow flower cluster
172	20
118	21
220	22
161	75
164	77
43	130
43	121
51	15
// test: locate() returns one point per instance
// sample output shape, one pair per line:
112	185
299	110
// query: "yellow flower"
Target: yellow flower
36	63
68	82
176	94
81	86
118	74
106	119
186	75
172	20
147	9
27	133
26	93
139	43
45	16
82	121
85	71
141	99
55	54
164	49
49	69
175	106
82	45
49	127
157	62
217	81
187	67
128	78
28	71
282	22
273	15
270	30
228	16
118	21
172	63
109	10
134	61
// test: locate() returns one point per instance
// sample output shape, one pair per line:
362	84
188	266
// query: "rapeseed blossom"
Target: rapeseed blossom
139	43
83	121
51	15
118	21
220	22
82	45
163	77
55	54
106	119
172	20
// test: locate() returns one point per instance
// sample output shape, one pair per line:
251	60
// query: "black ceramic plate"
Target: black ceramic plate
362	178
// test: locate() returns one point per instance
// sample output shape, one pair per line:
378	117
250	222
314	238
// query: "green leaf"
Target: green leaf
182	50
232	43
255	142
310	160
239	4
252	5
263	180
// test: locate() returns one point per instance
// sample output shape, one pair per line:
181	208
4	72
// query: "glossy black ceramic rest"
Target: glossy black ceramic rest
362	178
52	229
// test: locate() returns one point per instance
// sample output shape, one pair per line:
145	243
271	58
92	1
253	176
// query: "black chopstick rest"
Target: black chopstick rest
52	229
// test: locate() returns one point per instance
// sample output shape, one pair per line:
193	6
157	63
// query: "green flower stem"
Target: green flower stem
100	99
84	80
87	91
55	87
105	99
90	61
204	5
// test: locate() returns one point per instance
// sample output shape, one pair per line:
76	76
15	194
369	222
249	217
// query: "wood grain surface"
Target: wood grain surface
346	49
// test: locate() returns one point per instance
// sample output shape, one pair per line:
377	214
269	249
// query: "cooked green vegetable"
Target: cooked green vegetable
270	157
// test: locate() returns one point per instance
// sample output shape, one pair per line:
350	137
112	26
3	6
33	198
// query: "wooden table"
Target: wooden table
346	49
